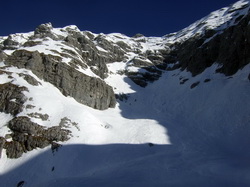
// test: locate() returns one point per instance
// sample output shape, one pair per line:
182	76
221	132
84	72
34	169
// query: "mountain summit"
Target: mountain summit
85	109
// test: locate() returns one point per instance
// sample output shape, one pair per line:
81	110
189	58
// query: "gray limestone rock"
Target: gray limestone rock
149	73
87	90
72	41
27	135
43	30
231	49
10	44
56	134
31	80
23	124
66	123
115	53
140	62
142	79
31	43
43	117
96	51
12	98
3	56
123	45
30	142
14	149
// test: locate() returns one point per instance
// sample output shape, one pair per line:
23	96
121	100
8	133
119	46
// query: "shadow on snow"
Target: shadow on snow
198	155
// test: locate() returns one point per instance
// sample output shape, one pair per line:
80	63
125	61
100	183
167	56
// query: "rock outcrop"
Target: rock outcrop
87	90
2	142
27	135
10	44
12	98
230	49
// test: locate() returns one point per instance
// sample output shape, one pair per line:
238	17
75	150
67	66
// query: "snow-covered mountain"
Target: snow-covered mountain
85	109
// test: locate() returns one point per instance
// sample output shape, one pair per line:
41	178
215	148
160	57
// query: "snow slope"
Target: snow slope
169	133
198	141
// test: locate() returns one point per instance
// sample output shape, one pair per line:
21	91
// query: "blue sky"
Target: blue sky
149	17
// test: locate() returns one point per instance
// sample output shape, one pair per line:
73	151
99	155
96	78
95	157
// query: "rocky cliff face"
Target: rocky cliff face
85	89
78	64
229	48
65	76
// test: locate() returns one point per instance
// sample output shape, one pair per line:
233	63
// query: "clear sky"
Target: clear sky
148	17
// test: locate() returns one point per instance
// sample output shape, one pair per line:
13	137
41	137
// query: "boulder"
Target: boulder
56	134
14	149
23	124
12	98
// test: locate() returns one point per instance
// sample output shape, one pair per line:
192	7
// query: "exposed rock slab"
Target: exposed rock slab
12	98
87	90
27	135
